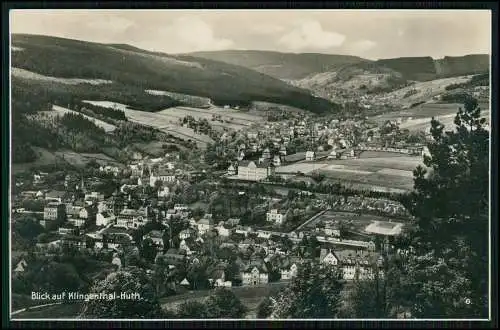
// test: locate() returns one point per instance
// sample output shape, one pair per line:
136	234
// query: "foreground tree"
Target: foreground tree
224	304
129	281
192	310
447	272
313	293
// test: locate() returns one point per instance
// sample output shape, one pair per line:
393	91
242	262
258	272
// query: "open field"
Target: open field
155	148
159	121
419	117
405	163
391	173
232	119
424	90
371	178
81	159
25	74
376	173
380	154
300	167
60	111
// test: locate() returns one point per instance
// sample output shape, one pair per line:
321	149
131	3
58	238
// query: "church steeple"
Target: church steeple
82	185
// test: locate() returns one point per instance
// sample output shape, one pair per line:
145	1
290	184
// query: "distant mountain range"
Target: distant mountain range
299	66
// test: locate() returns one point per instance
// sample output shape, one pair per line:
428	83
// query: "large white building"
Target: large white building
163	175
354	264
276	216
129	218
251	171
255	273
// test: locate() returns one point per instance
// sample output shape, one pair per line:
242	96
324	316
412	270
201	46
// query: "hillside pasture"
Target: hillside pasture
60	111
424	91
157	120
232	119
419	117
82	159
26	74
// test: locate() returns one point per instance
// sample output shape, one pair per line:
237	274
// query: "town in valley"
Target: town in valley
215	206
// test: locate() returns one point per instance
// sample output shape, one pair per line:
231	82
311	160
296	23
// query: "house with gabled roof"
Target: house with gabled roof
252	171
289	268
205	224
327	257
255	273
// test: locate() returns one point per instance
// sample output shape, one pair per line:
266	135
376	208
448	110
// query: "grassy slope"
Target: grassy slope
139	70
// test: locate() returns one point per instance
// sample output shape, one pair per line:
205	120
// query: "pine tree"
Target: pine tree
448	273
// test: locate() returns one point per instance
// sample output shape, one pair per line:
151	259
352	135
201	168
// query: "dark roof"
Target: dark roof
55	194
266	163
259	263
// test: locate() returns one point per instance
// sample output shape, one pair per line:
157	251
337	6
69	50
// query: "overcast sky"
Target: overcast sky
369	34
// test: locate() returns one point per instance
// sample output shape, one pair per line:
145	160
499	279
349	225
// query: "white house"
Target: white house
231	170
129	218
83	214
205	224
116	261
289	272
186	233
328	258
164	192
76	221
255	273
181	208
276	216
163	175
310	155
104	218
224	232
332	155
21	266
331	231
93	197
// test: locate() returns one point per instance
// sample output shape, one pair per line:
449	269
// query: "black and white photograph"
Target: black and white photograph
285	164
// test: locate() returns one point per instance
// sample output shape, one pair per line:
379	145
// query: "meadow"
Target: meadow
419	117
377	171
159	121
60	111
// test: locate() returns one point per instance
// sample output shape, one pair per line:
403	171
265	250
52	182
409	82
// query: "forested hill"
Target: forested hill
128	70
